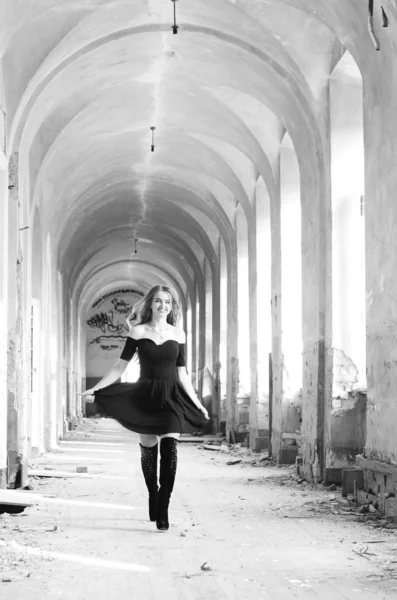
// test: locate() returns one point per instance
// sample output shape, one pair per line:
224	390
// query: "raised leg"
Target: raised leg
149	456
168	466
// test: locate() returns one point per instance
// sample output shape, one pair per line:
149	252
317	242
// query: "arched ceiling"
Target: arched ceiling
84	80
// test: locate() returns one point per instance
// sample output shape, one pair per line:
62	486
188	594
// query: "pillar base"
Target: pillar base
287	455
3	479
380	480
17	476
261	443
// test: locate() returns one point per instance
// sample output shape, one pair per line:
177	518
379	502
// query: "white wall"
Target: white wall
291	269
223	326
264	258
3	309
106	330
243	304
348	226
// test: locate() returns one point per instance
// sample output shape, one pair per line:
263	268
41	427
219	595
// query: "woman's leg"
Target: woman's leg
149	453
168	464
148	440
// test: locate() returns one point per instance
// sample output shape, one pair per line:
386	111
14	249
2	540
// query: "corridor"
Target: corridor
237	531
206	188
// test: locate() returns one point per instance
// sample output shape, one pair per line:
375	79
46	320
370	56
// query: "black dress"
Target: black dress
157	403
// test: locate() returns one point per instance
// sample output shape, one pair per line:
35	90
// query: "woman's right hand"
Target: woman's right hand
88	395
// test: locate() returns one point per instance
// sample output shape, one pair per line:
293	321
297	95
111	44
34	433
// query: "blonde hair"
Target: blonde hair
142	311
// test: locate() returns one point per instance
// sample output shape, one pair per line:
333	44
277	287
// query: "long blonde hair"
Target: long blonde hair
142	311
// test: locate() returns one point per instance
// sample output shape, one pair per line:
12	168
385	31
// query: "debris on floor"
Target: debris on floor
251	512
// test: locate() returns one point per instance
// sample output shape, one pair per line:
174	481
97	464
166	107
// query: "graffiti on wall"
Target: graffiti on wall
128	291
110	322
109	328
107	324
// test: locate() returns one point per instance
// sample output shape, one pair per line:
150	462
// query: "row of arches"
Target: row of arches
216	294
258	222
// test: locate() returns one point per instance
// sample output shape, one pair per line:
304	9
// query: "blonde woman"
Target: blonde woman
162	401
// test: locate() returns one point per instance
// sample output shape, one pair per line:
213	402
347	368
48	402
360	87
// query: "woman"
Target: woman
162	401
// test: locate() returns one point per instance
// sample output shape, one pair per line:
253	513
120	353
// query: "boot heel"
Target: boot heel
153	505
162	525
162	522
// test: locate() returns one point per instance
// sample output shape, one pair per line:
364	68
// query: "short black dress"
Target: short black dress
157	403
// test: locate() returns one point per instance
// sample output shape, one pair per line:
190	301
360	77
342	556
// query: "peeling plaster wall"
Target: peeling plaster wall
3	323
17	415
264	250
381	264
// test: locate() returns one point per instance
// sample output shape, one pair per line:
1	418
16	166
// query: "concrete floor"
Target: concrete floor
237	532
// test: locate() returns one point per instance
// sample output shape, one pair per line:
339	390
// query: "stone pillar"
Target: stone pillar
242	235
380	144
316	313
232	347
207	385
17	435
201	338
72	408
223	364
47	366
3	317
291	300
253	331
246	323
193	327
216	332
36	337
264	340
60	328
276	355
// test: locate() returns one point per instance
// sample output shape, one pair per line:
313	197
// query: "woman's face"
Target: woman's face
161	304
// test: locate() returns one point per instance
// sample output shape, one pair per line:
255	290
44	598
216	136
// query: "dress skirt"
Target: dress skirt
153	407
157	403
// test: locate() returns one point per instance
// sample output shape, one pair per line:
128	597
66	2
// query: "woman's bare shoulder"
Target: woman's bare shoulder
179	334
136	332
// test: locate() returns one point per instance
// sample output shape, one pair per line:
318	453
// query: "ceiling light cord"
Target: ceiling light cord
152	144
175	27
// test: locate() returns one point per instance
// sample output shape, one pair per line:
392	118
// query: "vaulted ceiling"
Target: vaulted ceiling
85	80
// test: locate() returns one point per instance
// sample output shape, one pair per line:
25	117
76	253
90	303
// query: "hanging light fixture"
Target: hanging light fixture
136	250
152	145
175	27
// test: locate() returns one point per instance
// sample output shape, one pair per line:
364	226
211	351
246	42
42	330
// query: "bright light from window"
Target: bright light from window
131	374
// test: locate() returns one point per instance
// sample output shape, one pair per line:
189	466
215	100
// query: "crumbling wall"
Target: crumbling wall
348	430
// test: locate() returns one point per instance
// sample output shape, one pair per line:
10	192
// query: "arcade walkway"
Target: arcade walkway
239	531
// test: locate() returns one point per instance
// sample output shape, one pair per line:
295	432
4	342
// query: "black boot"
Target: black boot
168	463
149	470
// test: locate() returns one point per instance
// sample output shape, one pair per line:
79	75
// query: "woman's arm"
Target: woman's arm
118	369
189	389
110	377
